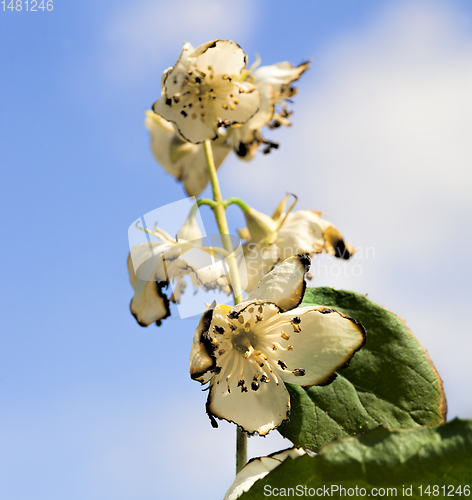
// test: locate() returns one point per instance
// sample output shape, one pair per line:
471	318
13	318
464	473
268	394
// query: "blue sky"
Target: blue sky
92	405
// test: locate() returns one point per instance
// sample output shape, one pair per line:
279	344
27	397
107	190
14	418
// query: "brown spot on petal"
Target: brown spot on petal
282	364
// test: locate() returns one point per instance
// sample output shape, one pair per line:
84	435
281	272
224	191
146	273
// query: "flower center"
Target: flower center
199	89
249	346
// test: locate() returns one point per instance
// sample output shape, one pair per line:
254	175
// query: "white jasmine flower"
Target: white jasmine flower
153	265
182	159
270	240
257	468
247	352
274	84
204	91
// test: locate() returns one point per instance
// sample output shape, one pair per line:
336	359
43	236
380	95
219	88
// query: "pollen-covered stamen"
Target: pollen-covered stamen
285	336
299	372
282	364
276	346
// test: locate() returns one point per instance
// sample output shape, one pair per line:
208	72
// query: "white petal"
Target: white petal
260	259
208	271
224	56
305	231
201	359
149	303
182	159
149	261
321	341
285	285
261	118
191	125
257	469
190	230
237	103
279	74
255	411
173	77
260	226
302	231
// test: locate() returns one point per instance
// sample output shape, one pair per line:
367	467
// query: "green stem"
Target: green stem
220	216
236	201
204	201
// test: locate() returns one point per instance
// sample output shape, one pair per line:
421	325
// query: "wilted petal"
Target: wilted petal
335	244
258	468
205	270
305	231
201	358
285	285
149	303
313	343
279	75
273	83
183	160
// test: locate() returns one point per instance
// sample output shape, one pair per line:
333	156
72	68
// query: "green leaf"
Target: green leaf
390	381
382	458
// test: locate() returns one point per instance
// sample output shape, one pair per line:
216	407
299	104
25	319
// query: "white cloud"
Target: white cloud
141	37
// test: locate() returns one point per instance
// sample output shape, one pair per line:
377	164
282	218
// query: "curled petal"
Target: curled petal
273	83
305	231
285	285
149	303
260	259
202	360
